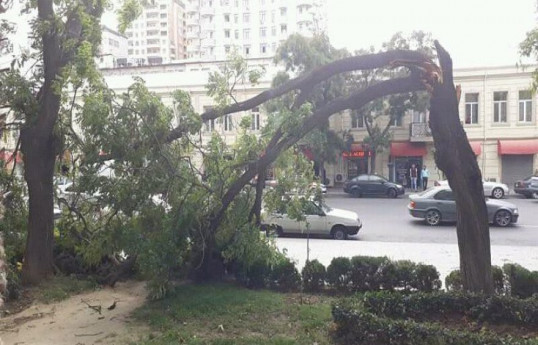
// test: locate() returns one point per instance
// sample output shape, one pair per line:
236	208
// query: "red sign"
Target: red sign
356	154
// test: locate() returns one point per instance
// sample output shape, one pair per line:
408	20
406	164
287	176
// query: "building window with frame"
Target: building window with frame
209	126
500	106
246	34
283	11
262	17
228	123
525	106
255	119
247	50
263	32
263	48
284	29
227	18
357	121
471	108
227	33
246	17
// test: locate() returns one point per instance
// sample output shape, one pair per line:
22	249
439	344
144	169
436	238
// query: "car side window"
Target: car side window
444	195
310	208
362	178
375	178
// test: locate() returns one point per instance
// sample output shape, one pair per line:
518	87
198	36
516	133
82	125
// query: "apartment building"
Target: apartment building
253	28
113	49
498	112
158	35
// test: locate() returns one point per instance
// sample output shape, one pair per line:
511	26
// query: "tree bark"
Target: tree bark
456	159
38	145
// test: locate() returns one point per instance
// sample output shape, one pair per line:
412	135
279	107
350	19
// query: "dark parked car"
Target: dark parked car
364	185
527	187
437	204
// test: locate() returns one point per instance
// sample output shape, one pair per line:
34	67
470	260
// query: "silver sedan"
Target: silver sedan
437	205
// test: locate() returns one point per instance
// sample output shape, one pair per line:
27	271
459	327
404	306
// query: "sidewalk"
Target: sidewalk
443	256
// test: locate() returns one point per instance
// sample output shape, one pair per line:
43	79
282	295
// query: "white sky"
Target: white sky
475	32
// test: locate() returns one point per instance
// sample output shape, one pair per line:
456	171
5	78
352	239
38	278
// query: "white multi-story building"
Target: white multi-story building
253	28
157	35
113	49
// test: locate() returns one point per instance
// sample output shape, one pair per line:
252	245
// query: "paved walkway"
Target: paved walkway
443	256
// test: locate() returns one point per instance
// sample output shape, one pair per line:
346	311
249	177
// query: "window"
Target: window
284	29
471	108
499	106
272	17
236	18
226	18
246	17
209	125
236	34
245	3
227	49
283	11
227	33
357	121
246	34
255	119
228	123
262	17
263	32
444	195
263	48
525	106
273	31
247	50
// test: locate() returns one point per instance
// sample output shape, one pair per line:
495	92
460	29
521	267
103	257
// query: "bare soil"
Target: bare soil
83	319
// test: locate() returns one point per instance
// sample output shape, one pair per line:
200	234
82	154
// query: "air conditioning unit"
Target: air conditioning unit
339	178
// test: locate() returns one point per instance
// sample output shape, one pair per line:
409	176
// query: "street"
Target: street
389	230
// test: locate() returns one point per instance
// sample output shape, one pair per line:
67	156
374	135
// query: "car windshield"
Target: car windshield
325	207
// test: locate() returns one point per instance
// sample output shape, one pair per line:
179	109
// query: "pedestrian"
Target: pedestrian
424	174
413	174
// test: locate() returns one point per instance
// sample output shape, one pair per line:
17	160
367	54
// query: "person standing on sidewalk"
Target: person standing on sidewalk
424	174
413	174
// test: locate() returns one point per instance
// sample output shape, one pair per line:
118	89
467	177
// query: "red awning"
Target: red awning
517	147
407	149
476	146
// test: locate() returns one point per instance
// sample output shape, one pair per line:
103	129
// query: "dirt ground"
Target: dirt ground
74	322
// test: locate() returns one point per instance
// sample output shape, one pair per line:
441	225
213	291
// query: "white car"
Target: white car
320	220
495	190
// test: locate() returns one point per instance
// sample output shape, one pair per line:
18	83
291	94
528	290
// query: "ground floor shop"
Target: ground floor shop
499	160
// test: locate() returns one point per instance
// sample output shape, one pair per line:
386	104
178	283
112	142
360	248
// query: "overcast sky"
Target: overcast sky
475	32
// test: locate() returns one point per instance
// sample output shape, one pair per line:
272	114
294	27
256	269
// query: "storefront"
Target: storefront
402	156
517	159
356	160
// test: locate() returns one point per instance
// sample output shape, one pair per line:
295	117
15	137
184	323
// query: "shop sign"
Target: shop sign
356	154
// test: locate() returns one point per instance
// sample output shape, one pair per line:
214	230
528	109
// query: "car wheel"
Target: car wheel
497	193
502	218
529	196
339	233
433	217
356	193
391	193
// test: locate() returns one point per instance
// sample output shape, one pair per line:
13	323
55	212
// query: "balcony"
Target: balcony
208	42
420	132
193	9
192	34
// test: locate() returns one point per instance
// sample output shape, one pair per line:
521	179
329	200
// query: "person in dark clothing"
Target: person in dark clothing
413	174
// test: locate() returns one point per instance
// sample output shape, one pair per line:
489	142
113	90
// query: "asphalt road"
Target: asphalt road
388	220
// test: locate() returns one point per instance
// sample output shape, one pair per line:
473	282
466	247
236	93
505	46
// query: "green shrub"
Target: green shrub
254	276
285	277
366	272
355	326
426	278
313	274
339	273
498	279
521	282
453	281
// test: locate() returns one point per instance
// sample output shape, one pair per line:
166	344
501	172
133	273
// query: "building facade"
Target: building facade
157	36
113	49
252	28
498	112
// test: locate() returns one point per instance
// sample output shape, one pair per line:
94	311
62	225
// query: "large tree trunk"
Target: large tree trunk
372	162
38	145
39	158
456	159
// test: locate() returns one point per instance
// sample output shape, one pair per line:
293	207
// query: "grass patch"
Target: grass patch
224	314
62	287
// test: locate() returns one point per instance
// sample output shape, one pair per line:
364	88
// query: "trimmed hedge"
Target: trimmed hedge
314	274
511	279
355	326
493	309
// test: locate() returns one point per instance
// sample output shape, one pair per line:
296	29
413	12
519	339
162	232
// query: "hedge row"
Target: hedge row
355	326
361	273
511	279
492	309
